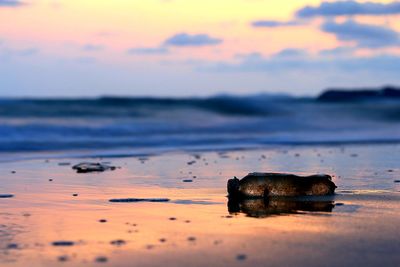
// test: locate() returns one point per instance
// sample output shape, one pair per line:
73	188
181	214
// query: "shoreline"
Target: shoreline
127	153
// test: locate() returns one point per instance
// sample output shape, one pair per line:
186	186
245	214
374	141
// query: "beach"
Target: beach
54	216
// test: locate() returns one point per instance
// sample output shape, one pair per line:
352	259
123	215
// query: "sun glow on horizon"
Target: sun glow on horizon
133	34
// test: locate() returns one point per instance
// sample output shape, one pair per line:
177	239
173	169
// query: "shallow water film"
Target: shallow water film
171	210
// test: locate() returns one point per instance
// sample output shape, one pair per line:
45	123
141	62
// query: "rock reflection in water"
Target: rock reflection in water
261	207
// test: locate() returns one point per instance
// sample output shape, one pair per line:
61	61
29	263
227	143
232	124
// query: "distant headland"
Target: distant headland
386	92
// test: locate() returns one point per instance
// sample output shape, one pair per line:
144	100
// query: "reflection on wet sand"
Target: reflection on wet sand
57	217
265	207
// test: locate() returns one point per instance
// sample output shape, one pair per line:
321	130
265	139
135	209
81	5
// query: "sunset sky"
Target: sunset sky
195	47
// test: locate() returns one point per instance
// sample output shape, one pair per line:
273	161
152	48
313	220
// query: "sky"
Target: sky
74	48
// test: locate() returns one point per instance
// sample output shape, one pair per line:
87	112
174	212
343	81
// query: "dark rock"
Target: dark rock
280	184
102	220
86	167
187	181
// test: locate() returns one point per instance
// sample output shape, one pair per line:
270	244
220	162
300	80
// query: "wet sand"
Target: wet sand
54	216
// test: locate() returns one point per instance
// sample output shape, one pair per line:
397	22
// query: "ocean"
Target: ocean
140	125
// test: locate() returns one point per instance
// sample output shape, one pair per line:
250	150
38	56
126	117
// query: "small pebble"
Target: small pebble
12	246
191	238
162	240
118	242
397	181
63	243
102	220
187	181
101	259
63	258
172	218
75	195
127	200
6	195
241	257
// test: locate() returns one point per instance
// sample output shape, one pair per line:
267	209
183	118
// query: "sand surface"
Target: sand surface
45	224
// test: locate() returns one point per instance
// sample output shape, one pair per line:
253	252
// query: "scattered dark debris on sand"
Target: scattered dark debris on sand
86	167
63	243
191	162
6	195
280	184
127	200
143	159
